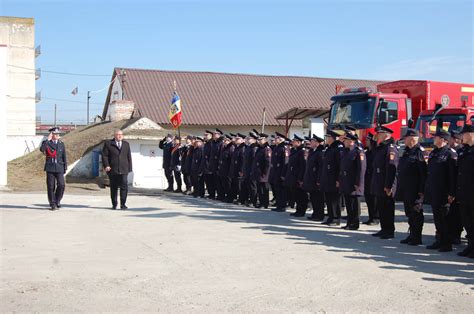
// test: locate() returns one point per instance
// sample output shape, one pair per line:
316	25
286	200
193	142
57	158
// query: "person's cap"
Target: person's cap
383	129
198	138
370	136
297	138
55	130
278	134
209	132
456	134
227	136
219	131
253	135
307	138
443	134
351	136
411	132
177	137
468	128
240	135
233	134
255	131
349	128
262	135
333	133
317	138
189	137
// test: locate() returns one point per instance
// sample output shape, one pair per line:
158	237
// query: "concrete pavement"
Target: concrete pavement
174	253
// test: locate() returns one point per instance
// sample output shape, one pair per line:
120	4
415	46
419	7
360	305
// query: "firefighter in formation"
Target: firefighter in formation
327	174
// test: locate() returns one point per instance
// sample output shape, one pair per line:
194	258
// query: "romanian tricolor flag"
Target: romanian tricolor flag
175	111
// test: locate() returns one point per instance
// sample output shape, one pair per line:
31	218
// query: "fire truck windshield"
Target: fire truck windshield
447	122
358	112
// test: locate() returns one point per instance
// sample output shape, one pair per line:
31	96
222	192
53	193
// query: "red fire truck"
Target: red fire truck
426	105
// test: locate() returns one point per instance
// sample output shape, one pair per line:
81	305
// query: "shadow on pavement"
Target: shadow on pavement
447	267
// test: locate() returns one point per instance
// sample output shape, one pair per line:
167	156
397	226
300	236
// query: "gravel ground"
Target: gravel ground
172	253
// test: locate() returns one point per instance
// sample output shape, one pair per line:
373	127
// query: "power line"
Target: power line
60	73
67	100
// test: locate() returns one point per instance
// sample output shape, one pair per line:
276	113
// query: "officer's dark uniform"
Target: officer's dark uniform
260	172
214	163
206	167
223	170
236	170
55	167
329	177
454	215
166	147
384	176
175	165
464	192
186	162
248	193
369	196
352	174
279	159
311	179
294	178
411	187
441	183
197	170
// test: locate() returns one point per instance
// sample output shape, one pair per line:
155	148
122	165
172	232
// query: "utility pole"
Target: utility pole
55	112
88	97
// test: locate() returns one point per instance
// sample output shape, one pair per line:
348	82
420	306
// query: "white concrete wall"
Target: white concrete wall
21	145
19	36
83	168
147	159
318	127
3	113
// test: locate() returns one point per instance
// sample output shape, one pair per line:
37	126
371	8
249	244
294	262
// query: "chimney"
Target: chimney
121	110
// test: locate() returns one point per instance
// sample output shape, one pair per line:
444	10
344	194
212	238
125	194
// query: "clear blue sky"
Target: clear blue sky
384	40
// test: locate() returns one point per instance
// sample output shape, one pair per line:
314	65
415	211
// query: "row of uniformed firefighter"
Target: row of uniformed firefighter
335	172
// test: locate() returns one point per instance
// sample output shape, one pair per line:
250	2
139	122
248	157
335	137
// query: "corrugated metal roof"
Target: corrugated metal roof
227	99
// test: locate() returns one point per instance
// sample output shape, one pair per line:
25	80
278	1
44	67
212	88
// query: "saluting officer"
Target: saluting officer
248	194
441	187
186	162
236	168
197	168
330	177
411	185
351	179
166	144
465	187
261	170
384	181
311	179
279	160
369	196
294	176
224	166
55	166
175	163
